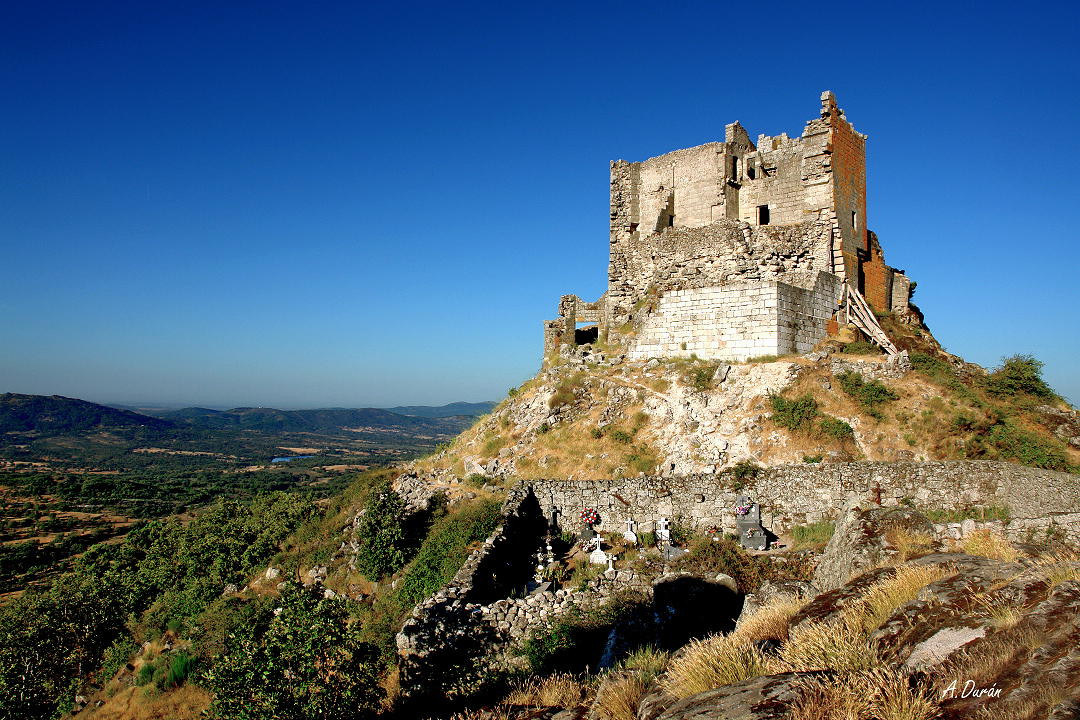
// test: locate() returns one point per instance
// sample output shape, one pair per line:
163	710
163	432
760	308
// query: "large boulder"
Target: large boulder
861	542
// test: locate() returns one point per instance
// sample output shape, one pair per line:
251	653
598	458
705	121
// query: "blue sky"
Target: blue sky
303	205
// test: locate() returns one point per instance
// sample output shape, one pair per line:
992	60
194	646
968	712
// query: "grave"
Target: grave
748	522
629	535
663	530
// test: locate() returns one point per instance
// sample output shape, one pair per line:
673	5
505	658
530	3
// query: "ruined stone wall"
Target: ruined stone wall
798	494
738	320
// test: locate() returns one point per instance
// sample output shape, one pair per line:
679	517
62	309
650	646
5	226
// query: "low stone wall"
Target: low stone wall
799	494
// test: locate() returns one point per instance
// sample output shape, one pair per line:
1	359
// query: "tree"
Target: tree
382	535
305	661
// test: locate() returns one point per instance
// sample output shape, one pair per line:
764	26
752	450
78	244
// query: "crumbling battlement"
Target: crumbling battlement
735	214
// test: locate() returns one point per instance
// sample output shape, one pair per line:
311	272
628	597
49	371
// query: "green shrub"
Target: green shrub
476	480
836	428
797	414
1012	441
868	394
621	436
812	458
711	556
576	640
307	660
745	470
700	378
180	666
445	550
596	433
544	428
647	539
381	534
1020	374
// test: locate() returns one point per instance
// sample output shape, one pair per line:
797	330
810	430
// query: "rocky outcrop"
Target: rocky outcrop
861	542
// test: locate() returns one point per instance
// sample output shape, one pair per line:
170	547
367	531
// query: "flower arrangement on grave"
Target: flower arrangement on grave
590	517
713	532
743	509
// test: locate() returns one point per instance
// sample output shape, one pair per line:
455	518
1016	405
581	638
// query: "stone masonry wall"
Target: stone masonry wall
798	494
739	320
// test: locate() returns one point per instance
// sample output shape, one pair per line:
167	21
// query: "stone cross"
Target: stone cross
663	530
610	563
629	535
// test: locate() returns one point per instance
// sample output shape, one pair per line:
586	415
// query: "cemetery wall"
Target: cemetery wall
799	494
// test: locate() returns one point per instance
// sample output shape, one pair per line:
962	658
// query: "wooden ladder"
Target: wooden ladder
857	312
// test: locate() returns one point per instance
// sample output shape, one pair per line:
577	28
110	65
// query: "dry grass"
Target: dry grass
186	702
1061	566
908	543
771	621
618	698
839	645
711	663
559	690
985	661
881	694
1002	612
842	644
724	659
882	598
990	544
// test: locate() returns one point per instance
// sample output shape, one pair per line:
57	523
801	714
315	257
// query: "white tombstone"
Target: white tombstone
610	563
598	557
663	530
629	535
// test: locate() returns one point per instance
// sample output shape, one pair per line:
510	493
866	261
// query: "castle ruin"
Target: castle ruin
732	249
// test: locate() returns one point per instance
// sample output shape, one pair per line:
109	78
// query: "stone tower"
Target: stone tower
733	249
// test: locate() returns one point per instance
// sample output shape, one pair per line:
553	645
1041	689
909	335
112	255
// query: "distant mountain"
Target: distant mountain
451	410
55	415
321	420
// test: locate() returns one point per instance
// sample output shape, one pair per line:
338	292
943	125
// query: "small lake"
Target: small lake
289	458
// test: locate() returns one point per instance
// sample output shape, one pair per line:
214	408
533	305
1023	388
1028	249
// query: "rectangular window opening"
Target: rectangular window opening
734	168
751	172
763	215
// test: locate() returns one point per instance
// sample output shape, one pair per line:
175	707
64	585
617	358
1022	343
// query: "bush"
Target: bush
596	433
836	428
797	414
868	394
382	535
812	458
726	556
744	471
544	428
1020	374
445	550
1012	441
700	378
305	661
621	436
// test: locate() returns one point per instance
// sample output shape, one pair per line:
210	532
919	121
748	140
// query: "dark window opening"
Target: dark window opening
854	220
751	172
763	215
586	335
734	168
671	221
633	227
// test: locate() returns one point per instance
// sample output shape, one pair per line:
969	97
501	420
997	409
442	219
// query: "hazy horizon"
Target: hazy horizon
378	205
